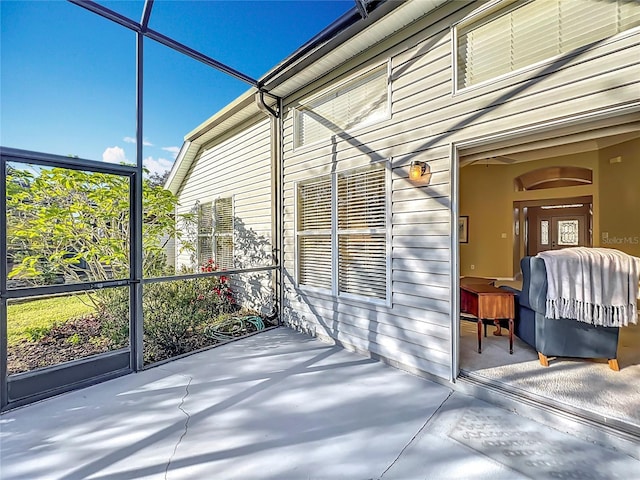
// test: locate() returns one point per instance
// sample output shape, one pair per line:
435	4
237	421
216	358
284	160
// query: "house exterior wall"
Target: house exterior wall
427	117
238	166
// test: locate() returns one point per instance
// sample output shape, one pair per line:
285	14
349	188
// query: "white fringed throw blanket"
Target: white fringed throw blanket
593	285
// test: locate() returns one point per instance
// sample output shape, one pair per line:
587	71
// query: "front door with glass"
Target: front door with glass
553	227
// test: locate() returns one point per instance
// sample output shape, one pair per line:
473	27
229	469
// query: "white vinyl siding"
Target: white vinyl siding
525	34
362	213
314	233
223	233
413	329
360	226
214	175
359	102
219	173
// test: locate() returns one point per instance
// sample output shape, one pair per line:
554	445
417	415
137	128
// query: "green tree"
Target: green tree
159	179
76	224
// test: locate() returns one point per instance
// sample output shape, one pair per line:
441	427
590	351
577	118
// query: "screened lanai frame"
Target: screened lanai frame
30	386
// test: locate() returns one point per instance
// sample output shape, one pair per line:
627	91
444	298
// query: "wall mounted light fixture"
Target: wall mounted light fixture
417	170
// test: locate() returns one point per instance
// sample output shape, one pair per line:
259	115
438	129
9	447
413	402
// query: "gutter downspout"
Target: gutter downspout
264	107
277	224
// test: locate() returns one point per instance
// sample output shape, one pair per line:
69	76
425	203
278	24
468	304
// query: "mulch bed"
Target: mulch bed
81	337
74	339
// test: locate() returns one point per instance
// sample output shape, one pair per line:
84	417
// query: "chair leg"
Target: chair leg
544	361
613	364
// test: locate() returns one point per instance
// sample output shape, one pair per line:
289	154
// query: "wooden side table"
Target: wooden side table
476	280
487	302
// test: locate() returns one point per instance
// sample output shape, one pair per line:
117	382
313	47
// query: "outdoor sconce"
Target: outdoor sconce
418	169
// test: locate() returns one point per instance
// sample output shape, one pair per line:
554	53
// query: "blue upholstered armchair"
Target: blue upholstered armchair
557	337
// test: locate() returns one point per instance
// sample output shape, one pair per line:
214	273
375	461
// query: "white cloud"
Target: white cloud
174	150
114	155
159	165
145	142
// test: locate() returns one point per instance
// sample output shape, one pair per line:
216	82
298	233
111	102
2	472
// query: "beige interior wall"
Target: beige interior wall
620	197
487	194
484	198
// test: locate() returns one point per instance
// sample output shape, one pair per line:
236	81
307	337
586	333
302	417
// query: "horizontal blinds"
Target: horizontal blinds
314	216
224	251
586	21
362	265
205	230
362	258
205	249
628	15
205	218
361	101
361	232
362	199
314	205
223	232
314	261
537	30
483	53
539	21
223	215
312	127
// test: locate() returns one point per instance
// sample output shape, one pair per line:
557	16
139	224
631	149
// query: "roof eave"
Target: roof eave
174	180
343	29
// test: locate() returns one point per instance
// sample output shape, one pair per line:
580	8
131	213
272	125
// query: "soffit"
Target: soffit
345	46
568	141
243	109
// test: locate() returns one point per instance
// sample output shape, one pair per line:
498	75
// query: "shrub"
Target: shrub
175	313
113	311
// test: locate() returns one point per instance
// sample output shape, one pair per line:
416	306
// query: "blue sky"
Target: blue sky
67	76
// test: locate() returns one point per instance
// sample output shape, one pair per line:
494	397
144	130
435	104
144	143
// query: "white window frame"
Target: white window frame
487	11
335	233
331	91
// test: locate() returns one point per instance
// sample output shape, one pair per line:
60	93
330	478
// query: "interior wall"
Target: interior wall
620	197
487	194
485	198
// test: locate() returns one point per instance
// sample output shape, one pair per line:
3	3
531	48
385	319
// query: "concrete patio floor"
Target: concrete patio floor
281	405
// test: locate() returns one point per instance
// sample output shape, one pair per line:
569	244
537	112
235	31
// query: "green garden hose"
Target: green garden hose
233	328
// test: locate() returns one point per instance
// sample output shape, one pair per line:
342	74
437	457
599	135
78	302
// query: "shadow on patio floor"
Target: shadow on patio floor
274	405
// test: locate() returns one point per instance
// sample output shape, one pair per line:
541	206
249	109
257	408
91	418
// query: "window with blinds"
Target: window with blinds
357	235
223	233
362	237
361	101
215	233
314	233
525	33
205	232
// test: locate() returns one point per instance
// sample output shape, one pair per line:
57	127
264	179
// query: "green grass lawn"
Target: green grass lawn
43	314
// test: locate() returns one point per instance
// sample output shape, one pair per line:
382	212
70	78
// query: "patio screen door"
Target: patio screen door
66	276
